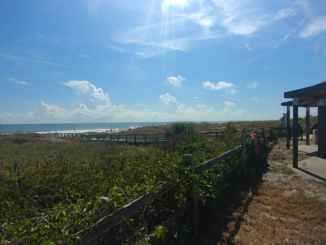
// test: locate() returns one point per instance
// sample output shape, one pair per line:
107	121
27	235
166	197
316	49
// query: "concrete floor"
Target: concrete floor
313	167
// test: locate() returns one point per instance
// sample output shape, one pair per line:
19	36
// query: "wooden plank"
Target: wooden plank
233	167
307	126
208	164
295	136
110	221
288	128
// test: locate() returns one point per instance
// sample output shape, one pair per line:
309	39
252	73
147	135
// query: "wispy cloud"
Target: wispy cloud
195	97
14	80
58	73
248	46
253	99
84	56
229	87
176	81
228	103
240	19
14	58
252	85
115	48
314	28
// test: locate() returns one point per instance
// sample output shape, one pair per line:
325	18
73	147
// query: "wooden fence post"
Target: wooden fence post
135	138
192	213
243	155
118	136
126	138
145	138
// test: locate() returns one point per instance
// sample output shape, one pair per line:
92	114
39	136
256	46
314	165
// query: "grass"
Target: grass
278	219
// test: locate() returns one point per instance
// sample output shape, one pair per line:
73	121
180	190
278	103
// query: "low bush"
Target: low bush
49	201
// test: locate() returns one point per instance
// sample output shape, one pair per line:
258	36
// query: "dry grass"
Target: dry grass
273	218
284	209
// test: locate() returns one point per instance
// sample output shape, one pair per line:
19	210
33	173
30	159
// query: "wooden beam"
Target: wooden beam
208	164
321	128
108	222
307	126
295	136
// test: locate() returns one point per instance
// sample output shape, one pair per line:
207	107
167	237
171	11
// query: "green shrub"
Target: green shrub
179	128
230	129
19	141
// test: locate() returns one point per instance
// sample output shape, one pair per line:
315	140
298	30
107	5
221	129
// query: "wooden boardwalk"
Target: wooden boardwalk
128	138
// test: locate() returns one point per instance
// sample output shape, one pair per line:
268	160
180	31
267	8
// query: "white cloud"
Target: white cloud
14	80
229	87
253	99
104	111
314	28
176	81
173	105
195	97
252	85
85	89
228	103
248	46
273	109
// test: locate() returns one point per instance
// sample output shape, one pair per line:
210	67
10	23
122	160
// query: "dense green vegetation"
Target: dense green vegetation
47	199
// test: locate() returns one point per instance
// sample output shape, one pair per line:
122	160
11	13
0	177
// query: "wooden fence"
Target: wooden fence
106	223
128	138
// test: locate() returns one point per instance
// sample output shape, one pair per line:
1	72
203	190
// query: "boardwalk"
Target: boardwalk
128	138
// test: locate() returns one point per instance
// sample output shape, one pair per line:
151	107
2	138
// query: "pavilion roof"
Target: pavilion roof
307	96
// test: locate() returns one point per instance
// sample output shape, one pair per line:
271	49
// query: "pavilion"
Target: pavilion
313	96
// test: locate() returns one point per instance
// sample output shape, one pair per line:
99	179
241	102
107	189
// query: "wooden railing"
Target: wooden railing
108	222
273	133
128	138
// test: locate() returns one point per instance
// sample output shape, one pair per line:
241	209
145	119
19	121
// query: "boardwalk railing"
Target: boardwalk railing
128	138
108	222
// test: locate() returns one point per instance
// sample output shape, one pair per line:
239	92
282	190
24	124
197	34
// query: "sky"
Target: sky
157	60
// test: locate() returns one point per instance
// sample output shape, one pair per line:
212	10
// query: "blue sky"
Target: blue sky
161	60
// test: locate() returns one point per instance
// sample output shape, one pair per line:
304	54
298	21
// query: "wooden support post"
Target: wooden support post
156	138
288	128
307	126
321	127
135	138
145	138
192	213
126	139
216	135
243	155
295	132
118	138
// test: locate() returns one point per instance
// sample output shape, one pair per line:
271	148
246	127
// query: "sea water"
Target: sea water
77	127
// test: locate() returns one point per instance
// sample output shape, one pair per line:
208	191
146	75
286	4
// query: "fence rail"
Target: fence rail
105	224
128	138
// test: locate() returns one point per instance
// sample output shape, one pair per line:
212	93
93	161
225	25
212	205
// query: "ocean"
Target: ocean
77	127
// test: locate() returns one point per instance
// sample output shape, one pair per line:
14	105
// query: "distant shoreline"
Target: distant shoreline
78	127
